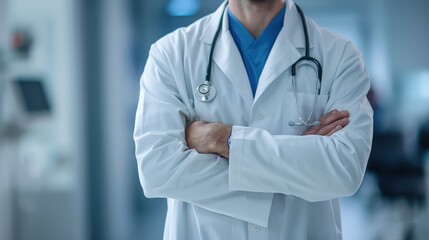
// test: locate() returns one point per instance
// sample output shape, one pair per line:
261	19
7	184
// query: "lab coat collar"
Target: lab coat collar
285	49
292	26
290	22
283	54
226	55
213	22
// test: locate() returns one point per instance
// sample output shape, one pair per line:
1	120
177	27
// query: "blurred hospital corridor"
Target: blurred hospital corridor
69	87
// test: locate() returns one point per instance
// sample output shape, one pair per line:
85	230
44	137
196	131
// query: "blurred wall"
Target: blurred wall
5	213
408	35
118	97
391	36
45	158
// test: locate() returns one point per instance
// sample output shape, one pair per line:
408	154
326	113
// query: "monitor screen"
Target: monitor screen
33	95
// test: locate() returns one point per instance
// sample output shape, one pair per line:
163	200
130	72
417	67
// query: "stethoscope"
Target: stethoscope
206	92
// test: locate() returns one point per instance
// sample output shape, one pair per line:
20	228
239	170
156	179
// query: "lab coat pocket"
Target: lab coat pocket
302	106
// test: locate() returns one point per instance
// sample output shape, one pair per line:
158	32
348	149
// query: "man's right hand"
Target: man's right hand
330	123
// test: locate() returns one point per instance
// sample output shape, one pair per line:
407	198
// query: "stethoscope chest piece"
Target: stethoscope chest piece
205	92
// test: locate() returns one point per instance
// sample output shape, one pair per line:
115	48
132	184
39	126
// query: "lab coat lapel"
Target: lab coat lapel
227	57
229	60
285	49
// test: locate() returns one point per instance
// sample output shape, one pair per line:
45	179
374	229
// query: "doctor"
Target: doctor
263	147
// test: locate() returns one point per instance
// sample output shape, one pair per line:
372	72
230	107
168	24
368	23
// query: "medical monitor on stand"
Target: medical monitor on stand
33	96
27	104
25	108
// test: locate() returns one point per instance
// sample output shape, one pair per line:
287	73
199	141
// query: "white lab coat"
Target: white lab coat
276	184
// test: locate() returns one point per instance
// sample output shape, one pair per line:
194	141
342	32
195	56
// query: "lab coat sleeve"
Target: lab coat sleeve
167	167
314	168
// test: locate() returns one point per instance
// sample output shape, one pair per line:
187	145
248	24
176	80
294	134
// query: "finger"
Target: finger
333	116
325	118
329	118
320	131
323	121
336	129
326	129
312	130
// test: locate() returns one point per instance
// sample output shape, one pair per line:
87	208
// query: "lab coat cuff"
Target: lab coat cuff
262	201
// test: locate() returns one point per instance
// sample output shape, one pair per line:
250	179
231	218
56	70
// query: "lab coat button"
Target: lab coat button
257	228
260	116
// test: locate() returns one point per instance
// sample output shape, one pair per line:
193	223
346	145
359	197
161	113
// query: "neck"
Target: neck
255	15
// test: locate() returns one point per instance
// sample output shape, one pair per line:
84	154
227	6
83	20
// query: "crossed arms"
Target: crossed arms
212	137
171	152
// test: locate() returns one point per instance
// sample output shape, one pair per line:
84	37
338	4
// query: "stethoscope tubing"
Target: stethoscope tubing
207	92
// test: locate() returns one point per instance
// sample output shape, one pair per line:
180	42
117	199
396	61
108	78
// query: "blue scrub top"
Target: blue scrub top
254	52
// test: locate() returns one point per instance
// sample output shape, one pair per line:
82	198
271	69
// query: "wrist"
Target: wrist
220	134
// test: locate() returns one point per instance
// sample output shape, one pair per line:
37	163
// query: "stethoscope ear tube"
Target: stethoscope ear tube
311	59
